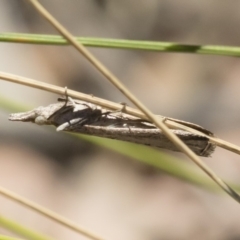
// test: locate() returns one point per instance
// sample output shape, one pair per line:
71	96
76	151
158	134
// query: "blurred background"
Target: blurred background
114	196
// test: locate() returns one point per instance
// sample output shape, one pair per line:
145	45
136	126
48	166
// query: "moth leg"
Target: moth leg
76	106
65	108
61	109
164	119
72	102
66	96
69	99
121	110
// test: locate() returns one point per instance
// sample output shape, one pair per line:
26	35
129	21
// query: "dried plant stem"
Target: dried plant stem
112	106
159	123
50	214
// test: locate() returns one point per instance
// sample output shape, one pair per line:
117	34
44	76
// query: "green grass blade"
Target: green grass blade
123	44
3	237
20	230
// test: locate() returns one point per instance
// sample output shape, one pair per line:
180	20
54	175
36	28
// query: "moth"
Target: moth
87	118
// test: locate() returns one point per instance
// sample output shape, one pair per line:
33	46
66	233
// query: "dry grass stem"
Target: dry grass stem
50	214
112	106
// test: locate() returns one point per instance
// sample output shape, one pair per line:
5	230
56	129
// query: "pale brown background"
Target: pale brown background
116	197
